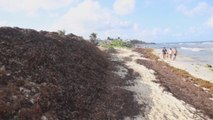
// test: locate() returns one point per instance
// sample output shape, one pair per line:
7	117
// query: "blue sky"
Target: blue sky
147	20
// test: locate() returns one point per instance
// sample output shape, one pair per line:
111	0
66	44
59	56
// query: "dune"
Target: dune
46	75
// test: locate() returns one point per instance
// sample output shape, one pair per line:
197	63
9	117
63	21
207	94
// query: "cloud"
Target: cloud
155	31
200	8
124	7
194	30
152	33
193	33
209	22
137	32
3	23
183	1
89	16
32	6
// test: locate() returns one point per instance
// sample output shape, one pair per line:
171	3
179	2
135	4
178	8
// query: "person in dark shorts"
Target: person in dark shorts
164	51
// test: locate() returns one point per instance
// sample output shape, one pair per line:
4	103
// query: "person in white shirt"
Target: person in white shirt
174	52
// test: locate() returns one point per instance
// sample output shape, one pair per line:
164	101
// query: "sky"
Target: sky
148	20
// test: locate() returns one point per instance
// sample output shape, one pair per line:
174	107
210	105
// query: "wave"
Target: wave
192	49
190	43
207	43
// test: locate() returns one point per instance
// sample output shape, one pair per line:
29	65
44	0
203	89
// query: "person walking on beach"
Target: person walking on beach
164	51
170	53
174	52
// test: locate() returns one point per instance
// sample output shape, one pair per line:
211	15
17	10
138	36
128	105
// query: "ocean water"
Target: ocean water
202	52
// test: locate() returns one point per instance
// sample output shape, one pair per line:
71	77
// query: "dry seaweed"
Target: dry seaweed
44	75
180	83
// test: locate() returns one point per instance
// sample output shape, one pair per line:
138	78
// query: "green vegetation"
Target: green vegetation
93	38
116	43
61	32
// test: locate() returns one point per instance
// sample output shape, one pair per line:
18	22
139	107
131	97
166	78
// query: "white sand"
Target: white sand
158	105
195	68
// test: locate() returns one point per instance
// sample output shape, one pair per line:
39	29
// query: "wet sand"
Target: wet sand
195	68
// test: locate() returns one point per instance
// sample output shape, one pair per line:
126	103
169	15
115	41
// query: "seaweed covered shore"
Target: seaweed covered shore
152	88
51	76
44	75
182	85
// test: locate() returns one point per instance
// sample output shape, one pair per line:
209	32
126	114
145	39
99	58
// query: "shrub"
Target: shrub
61	32
117	43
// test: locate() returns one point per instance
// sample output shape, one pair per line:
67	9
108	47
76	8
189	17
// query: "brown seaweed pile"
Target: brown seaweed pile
180	83
44	75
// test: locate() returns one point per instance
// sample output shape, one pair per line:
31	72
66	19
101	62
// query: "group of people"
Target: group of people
171	53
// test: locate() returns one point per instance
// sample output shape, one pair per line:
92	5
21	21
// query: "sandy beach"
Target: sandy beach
195	68
50	76
157	103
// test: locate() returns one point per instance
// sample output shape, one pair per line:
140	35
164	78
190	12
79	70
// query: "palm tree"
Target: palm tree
93	38
61	32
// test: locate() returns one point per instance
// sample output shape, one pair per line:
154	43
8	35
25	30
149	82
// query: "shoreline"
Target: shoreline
193	67
181	84
162	99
